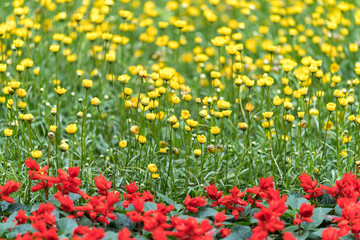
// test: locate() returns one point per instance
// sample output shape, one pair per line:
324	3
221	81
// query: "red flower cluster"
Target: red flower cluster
305	213
309	186
269	218
8	188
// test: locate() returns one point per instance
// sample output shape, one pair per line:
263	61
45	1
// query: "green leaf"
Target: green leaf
317	217
66	225
20	229
123	221
205	212
239	233
110	235
149	206
295	202
15	207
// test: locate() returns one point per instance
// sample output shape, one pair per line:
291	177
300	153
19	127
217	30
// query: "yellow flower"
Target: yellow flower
141	139
344	153
197	152
18	43
155	175
53	128
249	107
87	83
152	168
215	130
267	115
71	128
243	126
328	125
331	106
277	101
346	139
201	139
60	91
123	144
21	93
8	132
36	154
64	146
3	67
54	48
95	101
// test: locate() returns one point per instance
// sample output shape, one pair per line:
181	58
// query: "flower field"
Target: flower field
183	119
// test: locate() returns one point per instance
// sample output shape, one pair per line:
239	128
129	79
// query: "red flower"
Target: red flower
102	184
21	217
331	233
125	234
288	236
88	234
265	185
224	232
305	213
190	229
138	204
309	186
67	183
213	194
8	188
219	218
233	201
191	204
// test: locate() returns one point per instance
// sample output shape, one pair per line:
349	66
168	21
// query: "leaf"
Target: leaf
66	225
15	207
317	217
317	234
110	235
239	233
205	212
295	202
74	196
338	210
178	207
149	206
4	205
20	229
6	226
123	221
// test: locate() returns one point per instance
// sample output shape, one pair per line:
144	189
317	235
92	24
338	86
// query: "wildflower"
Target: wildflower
36	154
215	130
95	101
152	168
8	132
87	83
305	213
197	152
141	139
192	204
60	91
201	139
71	128
243	126
8	188
309	186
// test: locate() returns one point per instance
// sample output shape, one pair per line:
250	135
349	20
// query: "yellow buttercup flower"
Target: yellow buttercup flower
152	168
8	132
36	154
60	91
95	101
71	128
87	83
